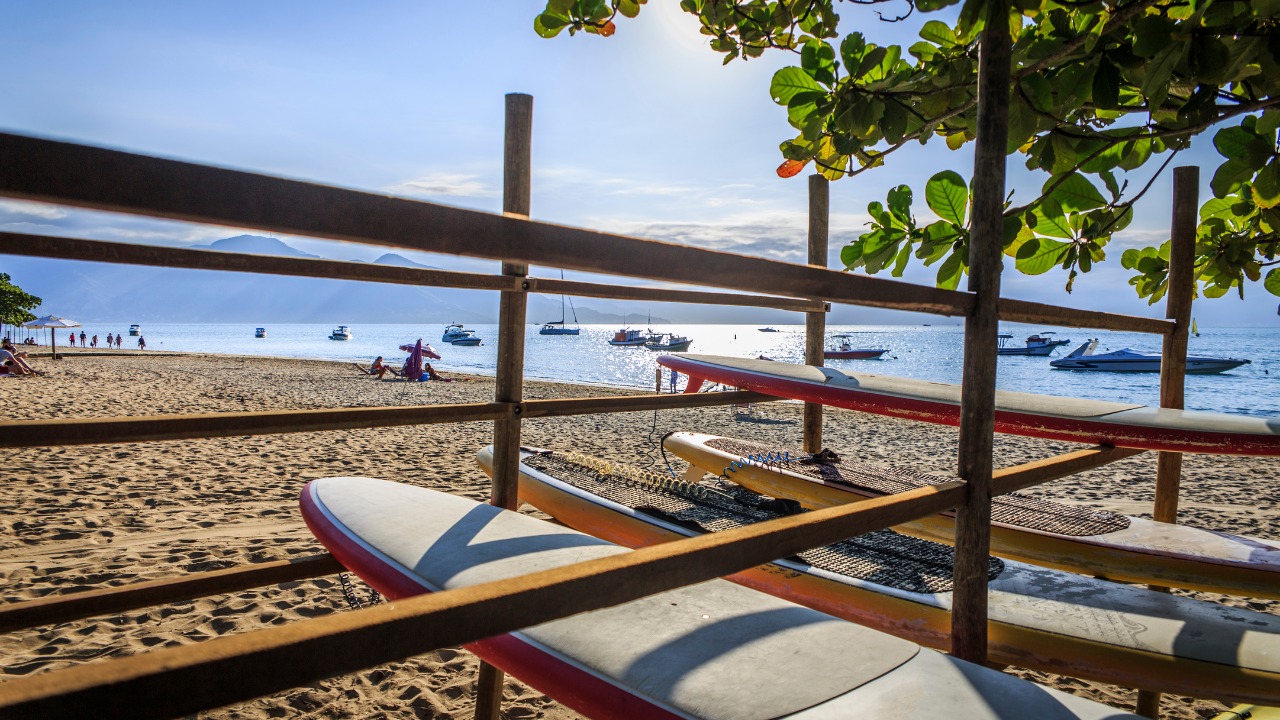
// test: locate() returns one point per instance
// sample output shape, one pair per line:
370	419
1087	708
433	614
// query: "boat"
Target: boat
768	329
453	332
711	650
135	330
1038	618
558	327
1037	345
342	332
846	351
260	333
669	342
468	338
626	337
1127	360
1024	528
1096	422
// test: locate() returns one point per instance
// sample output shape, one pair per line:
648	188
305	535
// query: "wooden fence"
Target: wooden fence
177	681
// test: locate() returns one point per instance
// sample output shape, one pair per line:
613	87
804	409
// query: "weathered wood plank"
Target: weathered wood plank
177	681
1019	477
815	323
55	609
978	392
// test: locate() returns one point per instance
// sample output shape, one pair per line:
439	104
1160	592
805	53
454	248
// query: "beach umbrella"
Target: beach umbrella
413	366
427	350
51	322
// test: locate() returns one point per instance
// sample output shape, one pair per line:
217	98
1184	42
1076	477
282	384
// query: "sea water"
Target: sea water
926	352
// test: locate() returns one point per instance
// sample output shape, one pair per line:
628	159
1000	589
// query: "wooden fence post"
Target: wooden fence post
977	400
509	384
1173	360
815	323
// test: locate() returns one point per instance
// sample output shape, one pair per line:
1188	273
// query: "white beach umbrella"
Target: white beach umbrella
51	322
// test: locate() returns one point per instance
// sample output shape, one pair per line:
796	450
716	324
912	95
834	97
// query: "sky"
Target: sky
645	133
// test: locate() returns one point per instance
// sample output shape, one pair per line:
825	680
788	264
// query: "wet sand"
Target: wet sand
76	518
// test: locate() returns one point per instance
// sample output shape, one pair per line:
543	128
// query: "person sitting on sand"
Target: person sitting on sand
433	375
13	362
377	368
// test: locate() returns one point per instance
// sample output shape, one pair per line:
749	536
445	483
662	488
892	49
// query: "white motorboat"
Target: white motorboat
454	331
1040	344
467	338
668	342
342	332
135	330
1127	360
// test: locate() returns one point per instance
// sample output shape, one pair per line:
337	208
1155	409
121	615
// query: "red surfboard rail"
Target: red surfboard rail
1094	422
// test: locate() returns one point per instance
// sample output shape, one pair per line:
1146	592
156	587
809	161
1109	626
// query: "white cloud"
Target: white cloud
22	208
443	185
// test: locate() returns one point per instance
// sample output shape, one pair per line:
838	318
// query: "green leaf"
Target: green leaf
819	60
939	33
629	8
790	81
1040	255
1266	186
1155	86
949	272
1076	194
549	24
947	196
1049	219
1272	281
1106	86
1230	175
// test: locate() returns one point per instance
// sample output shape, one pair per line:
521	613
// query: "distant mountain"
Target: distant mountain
257	245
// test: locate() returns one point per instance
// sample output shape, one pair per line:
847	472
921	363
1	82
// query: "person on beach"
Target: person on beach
377	368
110	340
119	340
142	343
73	338
432	374
12	361
93	341
83	338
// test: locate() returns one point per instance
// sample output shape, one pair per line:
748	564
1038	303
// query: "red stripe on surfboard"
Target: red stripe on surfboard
569	684
1094	432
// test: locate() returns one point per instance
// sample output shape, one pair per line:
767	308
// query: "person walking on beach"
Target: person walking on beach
83	338
73	338
119	340
93	341
142	343
110	340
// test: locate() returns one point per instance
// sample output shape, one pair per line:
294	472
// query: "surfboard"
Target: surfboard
1038	617
712	650
1042	532
1097	422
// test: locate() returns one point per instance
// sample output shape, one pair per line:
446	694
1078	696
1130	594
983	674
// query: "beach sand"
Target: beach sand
76	518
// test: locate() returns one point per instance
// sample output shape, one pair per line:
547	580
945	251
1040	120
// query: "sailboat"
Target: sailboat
558	327
1194	330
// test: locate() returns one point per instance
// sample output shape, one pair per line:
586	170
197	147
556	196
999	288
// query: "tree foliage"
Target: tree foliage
1102	92
15	303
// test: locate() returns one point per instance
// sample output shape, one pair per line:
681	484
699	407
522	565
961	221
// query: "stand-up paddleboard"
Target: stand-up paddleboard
1038	618
1078	539
713	650
1096	422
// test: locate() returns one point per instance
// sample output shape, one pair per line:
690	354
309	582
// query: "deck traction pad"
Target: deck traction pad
883	557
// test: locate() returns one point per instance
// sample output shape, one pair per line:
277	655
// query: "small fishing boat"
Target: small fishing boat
1038	345
1127	360
342	332
626	337
846	351
768	329
260	333
669	342
135	330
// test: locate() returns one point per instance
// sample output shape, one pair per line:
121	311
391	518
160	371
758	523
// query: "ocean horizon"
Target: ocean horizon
927	352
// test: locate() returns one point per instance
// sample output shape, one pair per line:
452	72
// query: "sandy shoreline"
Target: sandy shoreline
82	517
